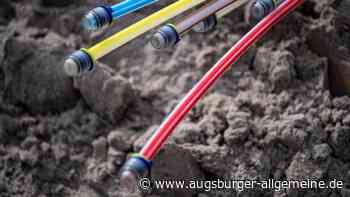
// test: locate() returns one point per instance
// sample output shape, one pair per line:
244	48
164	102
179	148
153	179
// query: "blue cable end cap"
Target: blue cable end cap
165	37
133	170
97	18
206	25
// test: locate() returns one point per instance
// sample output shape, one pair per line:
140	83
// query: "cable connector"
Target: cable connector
98	18
77	63
261	8
165	37
135	168
206	25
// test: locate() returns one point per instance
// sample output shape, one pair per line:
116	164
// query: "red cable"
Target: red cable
181	110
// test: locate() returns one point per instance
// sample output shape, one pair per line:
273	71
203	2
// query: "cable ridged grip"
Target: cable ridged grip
165	37
132	171
261	8
98	18
78	63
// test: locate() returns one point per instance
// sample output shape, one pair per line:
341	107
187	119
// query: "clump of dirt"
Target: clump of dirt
107	95
278	113
33	76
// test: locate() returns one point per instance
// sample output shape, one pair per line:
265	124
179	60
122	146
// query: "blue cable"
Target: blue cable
129	6
104	15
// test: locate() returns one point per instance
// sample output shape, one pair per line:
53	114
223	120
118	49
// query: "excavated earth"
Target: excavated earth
279	113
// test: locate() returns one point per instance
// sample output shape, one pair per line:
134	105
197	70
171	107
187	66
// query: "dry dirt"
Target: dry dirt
279	113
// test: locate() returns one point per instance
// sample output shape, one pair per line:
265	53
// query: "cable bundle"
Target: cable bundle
83	60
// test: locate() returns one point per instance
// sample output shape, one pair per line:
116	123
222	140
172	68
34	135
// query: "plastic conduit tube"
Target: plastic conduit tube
102	16
157	140
169	34
211	22
230	8
129	7
83	60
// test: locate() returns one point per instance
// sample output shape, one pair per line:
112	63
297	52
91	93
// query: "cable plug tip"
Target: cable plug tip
132	171
77	63
129	181
71	68
257	11
158	41
97	19
165	37
205	25
89	22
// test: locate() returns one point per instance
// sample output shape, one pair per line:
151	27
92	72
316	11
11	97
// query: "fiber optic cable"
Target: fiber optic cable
83	60
102	16
211	22
226	10
170	34
131	173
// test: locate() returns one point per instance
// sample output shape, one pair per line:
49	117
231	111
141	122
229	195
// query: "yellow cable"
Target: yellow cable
152	21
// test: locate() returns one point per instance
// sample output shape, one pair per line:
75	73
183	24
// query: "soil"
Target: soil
281	112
